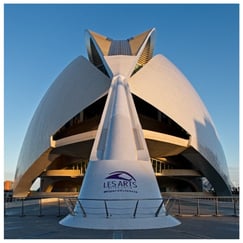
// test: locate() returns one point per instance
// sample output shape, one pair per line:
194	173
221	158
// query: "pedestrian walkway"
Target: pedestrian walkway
34	223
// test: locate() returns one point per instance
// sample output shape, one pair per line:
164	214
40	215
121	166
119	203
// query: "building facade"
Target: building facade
180	135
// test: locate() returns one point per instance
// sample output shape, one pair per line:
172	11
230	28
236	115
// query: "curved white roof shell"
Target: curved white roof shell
74	89
157	81
161	84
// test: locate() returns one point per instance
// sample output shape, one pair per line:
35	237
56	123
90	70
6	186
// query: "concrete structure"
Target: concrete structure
120	190
179	133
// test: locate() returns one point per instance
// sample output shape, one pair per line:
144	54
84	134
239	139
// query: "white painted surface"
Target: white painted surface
118	224
119	190
121	65
161	84
78	86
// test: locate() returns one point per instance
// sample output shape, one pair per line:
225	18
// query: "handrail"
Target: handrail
195	201
177	206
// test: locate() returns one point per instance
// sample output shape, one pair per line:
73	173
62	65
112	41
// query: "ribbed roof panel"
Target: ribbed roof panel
119	47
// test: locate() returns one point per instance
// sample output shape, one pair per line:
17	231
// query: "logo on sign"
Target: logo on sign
120	181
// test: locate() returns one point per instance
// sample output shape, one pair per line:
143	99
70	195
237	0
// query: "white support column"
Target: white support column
120	190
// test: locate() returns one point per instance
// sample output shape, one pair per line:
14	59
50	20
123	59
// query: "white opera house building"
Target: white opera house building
154	114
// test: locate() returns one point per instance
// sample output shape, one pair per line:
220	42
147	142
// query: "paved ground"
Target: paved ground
43	224
47	227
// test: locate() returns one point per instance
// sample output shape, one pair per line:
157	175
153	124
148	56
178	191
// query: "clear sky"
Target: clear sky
41	40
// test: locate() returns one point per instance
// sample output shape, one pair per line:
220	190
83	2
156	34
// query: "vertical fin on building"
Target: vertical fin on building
101	49
120	134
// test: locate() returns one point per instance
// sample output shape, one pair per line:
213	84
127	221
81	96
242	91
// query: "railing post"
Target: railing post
22	208
179	207
70	205
59	208
159	208
106	209
170	206
40	203
135	210
81	207
235	213
198	207
216	206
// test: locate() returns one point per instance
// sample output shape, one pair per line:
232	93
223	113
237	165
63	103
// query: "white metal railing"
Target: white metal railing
177	206
180	206
115	207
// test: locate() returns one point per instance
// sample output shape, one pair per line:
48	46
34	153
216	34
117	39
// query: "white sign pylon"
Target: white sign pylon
119	190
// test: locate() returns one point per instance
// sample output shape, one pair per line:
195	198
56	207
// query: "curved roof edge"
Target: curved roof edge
162	85
60	103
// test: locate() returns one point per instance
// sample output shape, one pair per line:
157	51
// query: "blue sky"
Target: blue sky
41	40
